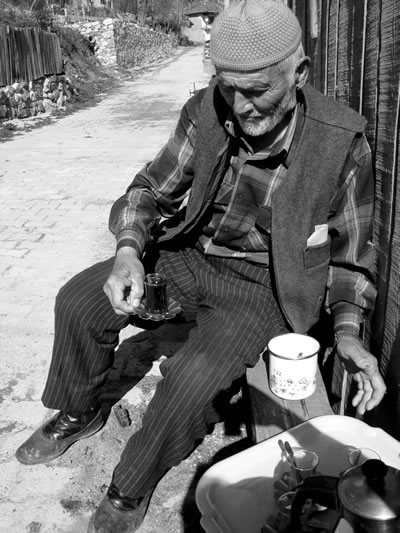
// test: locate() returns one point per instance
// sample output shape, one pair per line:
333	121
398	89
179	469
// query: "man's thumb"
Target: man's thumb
364	364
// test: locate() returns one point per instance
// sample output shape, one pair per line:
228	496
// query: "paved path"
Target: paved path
57	184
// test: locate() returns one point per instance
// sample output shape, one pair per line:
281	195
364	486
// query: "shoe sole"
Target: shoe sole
95	425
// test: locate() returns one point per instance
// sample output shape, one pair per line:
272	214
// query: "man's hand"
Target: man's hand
124	286
364	368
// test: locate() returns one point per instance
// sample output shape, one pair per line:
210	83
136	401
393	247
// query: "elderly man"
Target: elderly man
266	193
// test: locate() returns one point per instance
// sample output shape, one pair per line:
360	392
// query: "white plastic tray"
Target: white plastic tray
236	495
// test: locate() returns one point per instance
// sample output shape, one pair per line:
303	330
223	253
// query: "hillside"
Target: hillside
80	64
88	77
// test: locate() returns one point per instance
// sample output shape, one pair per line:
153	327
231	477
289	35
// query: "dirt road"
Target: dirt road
57	185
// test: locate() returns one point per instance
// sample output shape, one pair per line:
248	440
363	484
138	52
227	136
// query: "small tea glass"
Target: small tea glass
358	456
303	464
155	292
284	510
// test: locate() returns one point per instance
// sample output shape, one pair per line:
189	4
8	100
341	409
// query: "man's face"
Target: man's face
259	99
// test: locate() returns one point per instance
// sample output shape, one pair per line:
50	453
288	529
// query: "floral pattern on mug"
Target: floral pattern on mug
281	385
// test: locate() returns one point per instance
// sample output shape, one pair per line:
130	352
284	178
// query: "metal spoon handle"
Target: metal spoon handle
289	450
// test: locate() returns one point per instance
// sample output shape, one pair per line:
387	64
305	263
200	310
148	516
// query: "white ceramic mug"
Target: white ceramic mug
293	360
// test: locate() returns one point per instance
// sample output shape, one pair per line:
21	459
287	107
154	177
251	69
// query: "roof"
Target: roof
198	7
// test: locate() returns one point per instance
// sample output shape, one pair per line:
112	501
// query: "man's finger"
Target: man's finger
368	367
357	398
120	305
115	292
123	308
136	293
133	300
378	392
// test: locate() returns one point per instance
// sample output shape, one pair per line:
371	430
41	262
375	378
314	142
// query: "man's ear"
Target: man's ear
302	71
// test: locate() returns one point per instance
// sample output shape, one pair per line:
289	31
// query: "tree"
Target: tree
142	6
126	6
39	4
168	12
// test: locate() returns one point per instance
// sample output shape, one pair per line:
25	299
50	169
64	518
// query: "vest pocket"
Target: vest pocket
317	256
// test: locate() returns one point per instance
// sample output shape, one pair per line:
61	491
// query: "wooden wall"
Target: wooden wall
355	47
28	54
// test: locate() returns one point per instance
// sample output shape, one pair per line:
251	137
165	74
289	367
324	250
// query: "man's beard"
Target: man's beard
256	124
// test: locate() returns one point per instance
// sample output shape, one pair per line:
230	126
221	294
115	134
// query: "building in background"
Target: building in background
203	13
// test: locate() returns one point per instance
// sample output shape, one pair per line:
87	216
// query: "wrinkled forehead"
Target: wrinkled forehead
248	79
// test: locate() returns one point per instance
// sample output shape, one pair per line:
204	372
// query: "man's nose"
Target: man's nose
241	103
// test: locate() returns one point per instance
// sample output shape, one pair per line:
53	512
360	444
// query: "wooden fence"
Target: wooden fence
28	54
355	47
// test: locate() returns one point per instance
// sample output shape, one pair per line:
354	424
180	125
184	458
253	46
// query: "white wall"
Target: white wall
195	33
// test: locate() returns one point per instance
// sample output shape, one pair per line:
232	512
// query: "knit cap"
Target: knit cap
253	34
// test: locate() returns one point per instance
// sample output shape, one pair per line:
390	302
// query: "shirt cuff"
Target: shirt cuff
347	316
131	239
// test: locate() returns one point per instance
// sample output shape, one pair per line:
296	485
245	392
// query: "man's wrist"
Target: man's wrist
346	333
127	250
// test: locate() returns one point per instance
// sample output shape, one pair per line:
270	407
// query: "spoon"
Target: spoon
292	461
290	453
282	447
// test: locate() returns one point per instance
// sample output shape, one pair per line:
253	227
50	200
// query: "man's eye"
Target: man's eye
257	93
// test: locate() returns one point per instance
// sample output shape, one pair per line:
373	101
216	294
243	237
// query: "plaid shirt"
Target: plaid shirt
249	183
162	186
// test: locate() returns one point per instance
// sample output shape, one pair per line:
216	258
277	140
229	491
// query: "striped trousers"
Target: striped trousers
235	314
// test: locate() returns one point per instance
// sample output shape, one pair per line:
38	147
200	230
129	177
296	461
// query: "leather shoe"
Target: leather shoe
118	513
56	435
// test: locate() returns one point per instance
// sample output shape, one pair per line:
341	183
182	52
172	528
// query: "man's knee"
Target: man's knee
85	289
75	297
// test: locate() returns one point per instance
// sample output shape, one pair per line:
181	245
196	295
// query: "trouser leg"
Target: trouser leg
237	315
86	333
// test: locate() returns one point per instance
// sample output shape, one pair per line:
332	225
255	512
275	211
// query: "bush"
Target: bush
16	16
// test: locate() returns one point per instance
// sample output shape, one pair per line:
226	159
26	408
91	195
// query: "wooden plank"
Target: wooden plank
386	320
344	52
331	51
387	138
318	70
271	415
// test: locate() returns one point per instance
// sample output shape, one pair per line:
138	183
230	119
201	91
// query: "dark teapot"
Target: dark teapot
366	495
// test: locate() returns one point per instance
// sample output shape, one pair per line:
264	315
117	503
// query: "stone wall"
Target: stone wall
126	44
137	45
46	95
103	33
